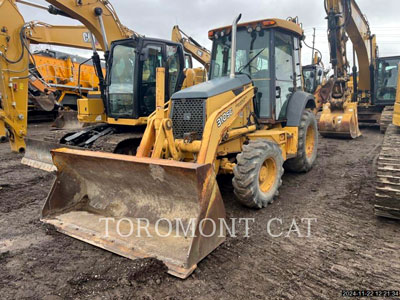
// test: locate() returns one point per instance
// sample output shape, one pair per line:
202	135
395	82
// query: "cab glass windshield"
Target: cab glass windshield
252	58
122	81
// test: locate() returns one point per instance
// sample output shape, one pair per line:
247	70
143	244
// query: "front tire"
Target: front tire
258	173
307	145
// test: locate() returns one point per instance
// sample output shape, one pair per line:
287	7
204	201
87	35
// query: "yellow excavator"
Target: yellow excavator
371	90
15	57
387	196
193	50
191	46
251	119
118	113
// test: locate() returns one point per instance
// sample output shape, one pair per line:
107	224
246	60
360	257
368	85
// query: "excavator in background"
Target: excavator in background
371	89
251	119
387	195
315	81
192	47
15	56
118	112
193	50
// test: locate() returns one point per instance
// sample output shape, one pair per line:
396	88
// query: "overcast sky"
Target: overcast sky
155	18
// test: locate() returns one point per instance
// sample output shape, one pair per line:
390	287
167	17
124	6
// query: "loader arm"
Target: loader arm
219	123
200	53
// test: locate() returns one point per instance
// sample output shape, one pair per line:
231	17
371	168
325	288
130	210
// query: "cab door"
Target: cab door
174	68
284	72
153	58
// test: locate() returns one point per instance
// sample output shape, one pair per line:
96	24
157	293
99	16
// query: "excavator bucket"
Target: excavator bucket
340	123
44	102
67	119
138	207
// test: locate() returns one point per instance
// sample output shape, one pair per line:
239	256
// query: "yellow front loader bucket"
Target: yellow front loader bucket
138	207
341	123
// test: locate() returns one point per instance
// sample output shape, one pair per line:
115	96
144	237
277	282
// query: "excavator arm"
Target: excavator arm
200	53
345	20
70	36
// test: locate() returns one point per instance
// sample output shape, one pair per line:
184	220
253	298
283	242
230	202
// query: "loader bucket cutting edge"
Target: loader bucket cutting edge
91	186
341	124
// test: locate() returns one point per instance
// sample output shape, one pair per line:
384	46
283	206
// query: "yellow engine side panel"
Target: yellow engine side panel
91	110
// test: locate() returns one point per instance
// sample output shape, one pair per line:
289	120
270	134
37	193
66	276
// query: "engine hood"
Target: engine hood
212	87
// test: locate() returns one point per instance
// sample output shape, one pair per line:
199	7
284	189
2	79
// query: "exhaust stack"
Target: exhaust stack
233	55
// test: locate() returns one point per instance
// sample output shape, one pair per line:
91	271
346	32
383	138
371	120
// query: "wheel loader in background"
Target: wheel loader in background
387	196
118	113
366	97
251	119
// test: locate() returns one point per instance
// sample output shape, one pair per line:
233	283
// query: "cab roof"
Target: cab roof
264	23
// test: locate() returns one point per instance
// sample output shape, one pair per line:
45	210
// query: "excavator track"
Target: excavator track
386	118
388	176
102	138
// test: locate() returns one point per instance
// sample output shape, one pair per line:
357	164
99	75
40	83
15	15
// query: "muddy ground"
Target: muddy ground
349	247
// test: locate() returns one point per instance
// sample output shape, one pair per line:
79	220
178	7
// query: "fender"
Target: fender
297	103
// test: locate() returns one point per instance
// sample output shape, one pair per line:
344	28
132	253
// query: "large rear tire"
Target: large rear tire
307	145
258	173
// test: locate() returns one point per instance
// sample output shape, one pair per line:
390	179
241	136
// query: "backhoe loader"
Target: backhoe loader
118	112
370	93
251	119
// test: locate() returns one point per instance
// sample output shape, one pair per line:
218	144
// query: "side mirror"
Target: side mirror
144	55
278	92
319	73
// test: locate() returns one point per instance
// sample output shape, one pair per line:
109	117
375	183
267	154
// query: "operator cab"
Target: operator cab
386	80
268	52
313	76
131	76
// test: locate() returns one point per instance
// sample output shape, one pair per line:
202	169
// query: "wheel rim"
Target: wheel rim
267	175
310	141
